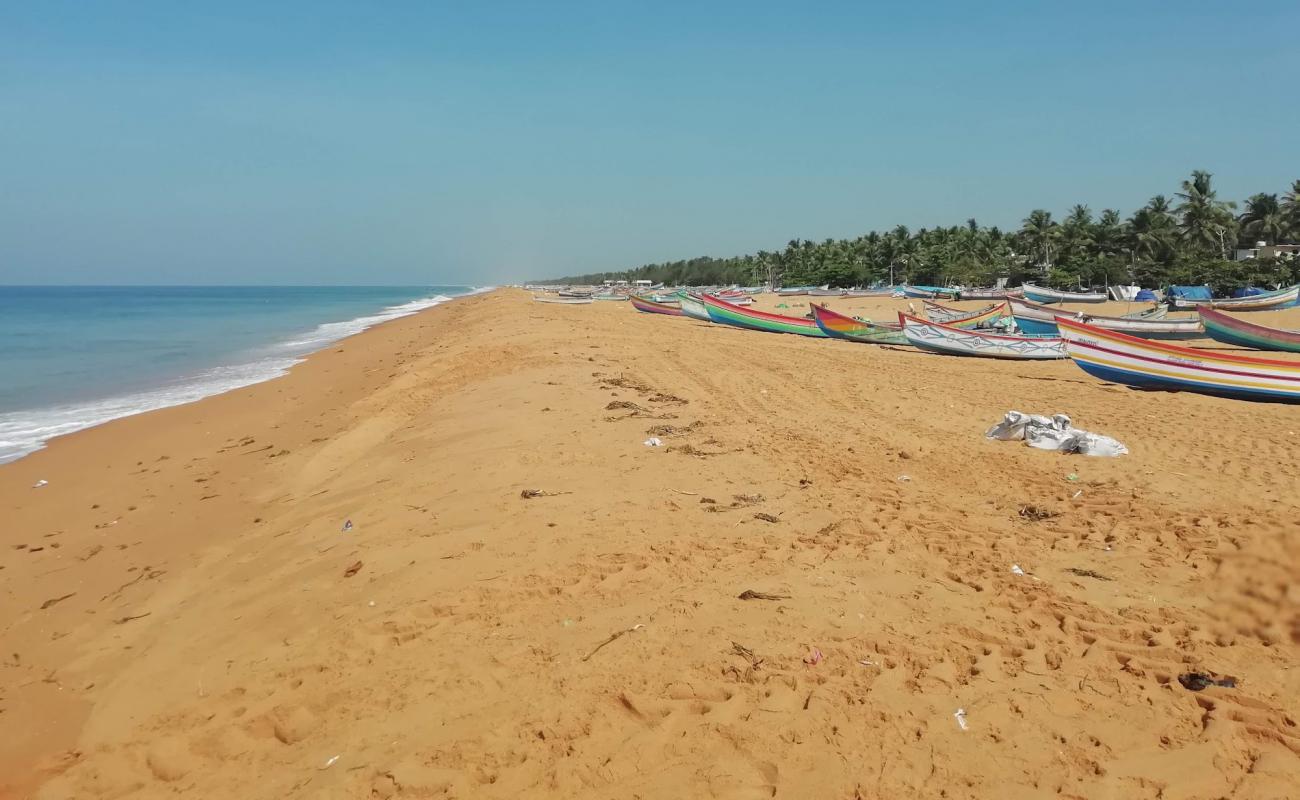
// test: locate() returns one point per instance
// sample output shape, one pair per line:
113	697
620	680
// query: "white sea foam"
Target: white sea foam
26	431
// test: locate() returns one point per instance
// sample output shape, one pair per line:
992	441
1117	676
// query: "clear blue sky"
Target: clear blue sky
329	142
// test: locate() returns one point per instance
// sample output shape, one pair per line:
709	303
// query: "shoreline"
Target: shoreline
188	613
277	357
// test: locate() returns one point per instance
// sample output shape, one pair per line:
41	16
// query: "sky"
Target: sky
428	143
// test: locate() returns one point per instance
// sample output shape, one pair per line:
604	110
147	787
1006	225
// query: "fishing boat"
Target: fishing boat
1039	319
1269	301
958	318
723	312
693	307
989	294
825	292
575	293
883	291
737	299
563	301
940	338
1227	329
1143	364
794	291
607	297
651	307
838	326
1122	293
930	293
1040	294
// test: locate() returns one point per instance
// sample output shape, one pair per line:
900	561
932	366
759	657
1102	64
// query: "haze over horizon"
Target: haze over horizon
334	143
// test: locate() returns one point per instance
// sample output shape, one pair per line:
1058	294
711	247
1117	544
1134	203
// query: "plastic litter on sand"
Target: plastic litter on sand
1053	433
653	441
960	715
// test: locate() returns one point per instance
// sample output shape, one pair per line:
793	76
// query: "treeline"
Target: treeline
1190	238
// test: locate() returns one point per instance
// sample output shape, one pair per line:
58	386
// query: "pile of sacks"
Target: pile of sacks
1053	433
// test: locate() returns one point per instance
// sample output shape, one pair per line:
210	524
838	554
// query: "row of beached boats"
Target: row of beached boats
1128	349
1260	301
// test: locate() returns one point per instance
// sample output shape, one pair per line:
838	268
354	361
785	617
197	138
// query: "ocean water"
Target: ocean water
76	356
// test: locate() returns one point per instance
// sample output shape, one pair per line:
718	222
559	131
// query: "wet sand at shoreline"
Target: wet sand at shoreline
183	611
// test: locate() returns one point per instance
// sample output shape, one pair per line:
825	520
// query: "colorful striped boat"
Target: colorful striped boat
1144	364
1041	294
1223	328
956	317
839	326
651	307
940	338
728	314
693	307
1269	301
1040	320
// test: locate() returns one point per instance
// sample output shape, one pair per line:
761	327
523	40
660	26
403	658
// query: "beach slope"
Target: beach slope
439	560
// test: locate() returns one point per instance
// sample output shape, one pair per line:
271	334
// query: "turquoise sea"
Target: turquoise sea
76	356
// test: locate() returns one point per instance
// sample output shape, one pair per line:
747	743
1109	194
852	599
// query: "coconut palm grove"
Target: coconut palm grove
1189	237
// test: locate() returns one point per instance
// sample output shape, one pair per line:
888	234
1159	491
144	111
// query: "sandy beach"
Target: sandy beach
330	585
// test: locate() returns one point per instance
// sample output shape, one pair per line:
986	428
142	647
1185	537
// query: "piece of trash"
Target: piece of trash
352	570
1016	570
1073	476
904	478
371	604
612	637
529	494
867	663
568	623
330	762
960	715
1075	496
1087	573
40	483
653	441
1036	513
1197	681
750	594
1053	433
347	526
814	657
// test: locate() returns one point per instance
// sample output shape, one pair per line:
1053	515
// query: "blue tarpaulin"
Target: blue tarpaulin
1191	292
1147	295
1249	291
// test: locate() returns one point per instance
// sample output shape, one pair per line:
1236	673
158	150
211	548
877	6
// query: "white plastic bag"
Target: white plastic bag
1055	433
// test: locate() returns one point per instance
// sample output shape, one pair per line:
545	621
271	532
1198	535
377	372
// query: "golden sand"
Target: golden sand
183	613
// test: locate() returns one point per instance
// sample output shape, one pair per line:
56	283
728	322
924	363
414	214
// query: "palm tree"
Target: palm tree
1206	221
1039	233
1263	218
1291	211
1153	231
1076	233
1108	233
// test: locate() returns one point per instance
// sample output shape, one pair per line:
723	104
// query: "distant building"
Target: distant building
644	283
1261	250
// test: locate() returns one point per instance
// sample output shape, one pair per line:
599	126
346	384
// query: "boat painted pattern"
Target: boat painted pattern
1144	364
